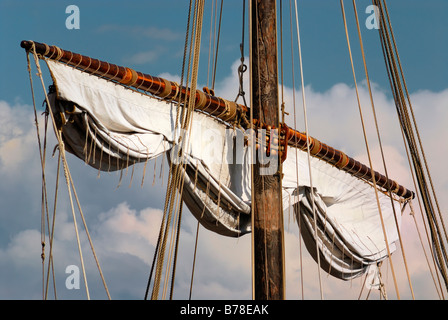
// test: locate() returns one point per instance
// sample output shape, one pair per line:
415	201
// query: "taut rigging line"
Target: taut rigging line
407	122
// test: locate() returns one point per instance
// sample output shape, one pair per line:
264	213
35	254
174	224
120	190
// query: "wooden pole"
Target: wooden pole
204	100
268	250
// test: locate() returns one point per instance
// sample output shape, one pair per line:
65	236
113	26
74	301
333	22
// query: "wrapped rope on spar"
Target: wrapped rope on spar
157	86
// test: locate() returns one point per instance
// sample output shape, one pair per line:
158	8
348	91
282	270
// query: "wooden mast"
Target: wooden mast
267	227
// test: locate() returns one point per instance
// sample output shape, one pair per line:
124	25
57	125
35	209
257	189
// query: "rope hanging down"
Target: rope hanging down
308	145
69	182
173	198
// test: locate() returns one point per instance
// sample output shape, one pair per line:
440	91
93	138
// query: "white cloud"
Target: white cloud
17	137
170	77
145	56
125	230
20	246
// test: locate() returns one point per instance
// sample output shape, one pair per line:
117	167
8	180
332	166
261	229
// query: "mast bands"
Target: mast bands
56	50
167	90
231	110
130	78
202	100
343	161
47	49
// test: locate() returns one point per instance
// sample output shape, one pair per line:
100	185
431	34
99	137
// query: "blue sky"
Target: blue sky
119	32
149	37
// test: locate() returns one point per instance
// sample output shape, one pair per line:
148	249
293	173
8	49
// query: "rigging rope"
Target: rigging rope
415	124
408	125
173	198
424	251
295	149
61	146
70	185
217	45
252	186
209	42
176	122
170	174
381	145
241	71
42	155
308	149
52	234
368	149
242	67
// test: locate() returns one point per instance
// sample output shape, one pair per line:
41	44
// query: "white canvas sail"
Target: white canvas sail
112	127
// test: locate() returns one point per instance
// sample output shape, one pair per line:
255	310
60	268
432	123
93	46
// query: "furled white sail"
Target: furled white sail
111	127
349	229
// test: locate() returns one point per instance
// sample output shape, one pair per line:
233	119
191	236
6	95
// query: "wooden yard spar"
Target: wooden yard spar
217	107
